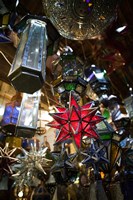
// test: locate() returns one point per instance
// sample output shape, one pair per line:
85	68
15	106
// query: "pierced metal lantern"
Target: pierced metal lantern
27	73
78	19
28	116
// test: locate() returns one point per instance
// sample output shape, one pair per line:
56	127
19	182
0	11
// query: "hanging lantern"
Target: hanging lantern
129	105
11	113
105	130
78	19
75	122
71	78
117	110
78	85
27	73
113	154
28	116
22	193
13	141
72	67
97	79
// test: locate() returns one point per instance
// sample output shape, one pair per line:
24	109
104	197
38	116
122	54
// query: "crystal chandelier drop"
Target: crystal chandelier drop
80	19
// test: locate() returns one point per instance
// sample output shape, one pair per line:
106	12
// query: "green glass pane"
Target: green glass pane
105	136
106	113
70	86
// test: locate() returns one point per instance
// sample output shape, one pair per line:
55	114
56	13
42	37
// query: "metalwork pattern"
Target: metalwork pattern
80	19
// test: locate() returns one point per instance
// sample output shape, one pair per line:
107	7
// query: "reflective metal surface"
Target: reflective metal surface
80	19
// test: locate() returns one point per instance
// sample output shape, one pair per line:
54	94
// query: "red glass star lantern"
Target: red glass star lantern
75	122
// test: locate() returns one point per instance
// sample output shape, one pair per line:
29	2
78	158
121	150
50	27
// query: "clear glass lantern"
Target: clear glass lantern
27	73
28	116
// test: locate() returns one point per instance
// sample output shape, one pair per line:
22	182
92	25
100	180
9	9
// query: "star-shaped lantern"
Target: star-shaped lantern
95	155
31	163
63	162
75	122
7	159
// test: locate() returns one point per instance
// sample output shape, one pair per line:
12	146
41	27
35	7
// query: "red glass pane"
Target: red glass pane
74	114
77	139
73	102
62	136
89	116
61	118
96	119
89	132
62	110
87	105
54	124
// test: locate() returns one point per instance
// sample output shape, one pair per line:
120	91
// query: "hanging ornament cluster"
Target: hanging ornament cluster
78	19
75	122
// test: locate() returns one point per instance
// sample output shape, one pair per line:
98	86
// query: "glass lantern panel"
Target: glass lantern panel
72	68
29	111
35	49
10	115
18	57
70	86
60	89
79	88
31	51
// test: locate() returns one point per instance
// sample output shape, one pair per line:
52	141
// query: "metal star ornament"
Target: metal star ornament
7	159
75	122
63	161
31	163
95	155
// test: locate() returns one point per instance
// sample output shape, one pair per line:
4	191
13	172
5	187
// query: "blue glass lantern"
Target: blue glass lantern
27	73
11	112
